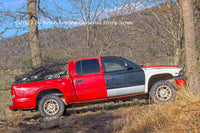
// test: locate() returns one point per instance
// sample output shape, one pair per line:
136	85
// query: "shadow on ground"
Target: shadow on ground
141	101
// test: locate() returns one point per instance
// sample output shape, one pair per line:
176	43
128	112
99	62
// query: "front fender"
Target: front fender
151	72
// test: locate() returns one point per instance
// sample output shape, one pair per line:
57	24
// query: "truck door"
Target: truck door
122	77
89	80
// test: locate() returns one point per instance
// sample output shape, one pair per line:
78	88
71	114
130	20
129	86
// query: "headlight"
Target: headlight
181	73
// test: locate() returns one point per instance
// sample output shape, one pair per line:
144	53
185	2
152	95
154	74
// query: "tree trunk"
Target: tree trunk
88	40
177	57
33	33
190	49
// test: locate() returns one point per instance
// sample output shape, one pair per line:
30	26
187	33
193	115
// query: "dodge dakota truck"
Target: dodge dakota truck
95	79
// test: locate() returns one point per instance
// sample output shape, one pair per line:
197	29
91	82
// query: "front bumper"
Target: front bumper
180	81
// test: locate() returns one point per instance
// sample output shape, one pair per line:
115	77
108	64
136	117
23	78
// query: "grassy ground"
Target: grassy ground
180	116
5	100
6	79
97	118
136	116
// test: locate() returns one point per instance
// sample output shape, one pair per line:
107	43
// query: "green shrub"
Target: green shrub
151	50
123	43
26	63
4	68
152	40
48	58
1	87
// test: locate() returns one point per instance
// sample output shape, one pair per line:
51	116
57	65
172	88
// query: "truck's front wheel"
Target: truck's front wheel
162	91
51	106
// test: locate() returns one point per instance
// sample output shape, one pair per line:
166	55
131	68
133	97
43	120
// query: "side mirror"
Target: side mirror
129	67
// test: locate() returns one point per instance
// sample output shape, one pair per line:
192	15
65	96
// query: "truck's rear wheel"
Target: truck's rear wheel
162	91
51	106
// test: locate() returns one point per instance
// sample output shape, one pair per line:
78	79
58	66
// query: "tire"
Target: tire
163	91
51	106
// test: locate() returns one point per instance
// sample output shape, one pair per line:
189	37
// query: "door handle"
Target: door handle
79	81
108	77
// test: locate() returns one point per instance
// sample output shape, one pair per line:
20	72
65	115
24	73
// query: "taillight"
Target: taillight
12	93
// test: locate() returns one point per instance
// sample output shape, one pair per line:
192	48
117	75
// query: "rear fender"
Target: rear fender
50	90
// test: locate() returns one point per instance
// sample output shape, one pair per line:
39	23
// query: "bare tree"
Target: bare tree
168	16
4	13
190	49
89	13
33	33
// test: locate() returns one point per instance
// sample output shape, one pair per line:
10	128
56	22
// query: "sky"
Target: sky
12	3
65	11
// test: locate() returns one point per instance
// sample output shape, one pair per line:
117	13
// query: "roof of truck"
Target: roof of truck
94	57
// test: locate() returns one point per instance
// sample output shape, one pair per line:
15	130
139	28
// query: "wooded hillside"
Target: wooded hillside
137	38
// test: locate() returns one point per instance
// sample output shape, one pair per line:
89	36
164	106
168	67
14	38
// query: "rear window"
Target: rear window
87	67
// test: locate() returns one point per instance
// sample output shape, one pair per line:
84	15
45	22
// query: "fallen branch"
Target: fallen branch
6	124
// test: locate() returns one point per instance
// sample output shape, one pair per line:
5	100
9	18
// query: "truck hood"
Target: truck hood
162	69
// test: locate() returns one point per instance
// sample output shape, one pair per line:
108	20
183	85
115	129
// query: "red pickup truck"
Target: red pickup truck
95	79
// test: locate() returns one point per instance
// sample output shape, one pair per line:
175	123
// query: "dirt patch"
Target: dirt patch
87	122
95	120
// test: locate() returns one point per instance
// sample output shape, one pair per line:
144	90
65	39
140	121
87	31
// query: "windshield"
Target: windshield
138	65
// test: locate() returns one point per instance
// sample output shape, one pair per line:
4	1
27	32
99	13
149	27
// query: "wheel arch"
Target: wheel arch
157	77
53	91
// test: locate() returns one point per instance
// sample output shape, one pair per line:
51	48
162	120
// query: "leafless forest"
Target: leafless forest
152	36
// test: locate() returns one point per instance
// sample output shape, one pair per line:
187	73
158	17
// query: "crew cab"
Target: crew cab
95	79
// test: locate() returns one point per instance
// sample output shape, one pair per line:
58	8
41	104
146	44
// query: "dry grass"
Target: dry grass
5	100
7	114
6	79
183	115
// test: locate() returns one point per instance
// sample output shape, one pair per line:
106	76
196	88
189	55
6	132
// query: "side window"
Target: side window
113	64
87	67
